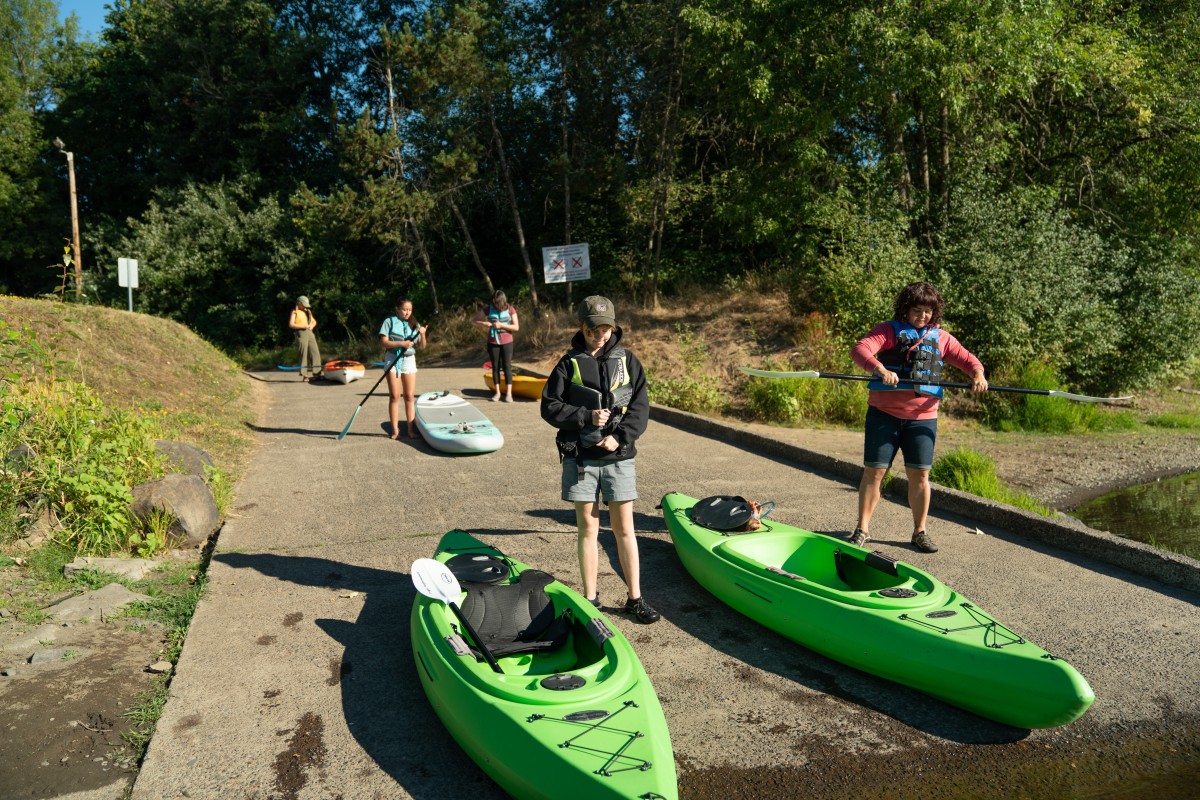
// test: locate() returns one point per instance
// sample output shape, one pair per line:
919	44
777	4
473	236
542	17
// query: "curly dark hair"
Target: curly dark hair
920	293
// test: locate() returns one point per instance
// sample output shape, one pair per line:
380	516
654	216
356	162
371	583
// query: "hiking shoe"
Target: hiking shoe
595	600
858	538
922	542
642	611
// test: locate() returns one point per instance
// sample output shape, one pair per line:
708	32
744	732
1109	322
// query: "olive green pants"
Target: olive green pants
310	354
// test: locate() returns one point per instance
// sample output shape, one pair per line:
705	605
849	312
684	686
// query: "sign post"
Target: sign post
127	276
567	262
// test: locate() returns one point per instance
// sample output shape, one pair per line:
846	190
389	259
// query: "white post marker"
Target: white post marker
566	262
127	276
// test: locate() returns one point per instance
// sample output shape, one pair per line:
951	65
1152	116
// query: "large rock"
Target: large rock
132	568
18	458
187	498
183	457
98	604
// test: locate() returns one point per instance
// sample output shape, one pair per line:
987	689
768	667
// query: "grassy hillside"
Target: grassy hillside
135	362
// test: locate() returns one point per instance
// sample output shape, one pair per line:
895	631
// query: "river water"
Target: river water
1165	513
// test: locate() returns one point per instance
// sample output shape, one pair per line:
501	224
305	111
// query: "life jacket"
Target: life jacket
401	330
917	355
300	316
503	317
585	371
616	396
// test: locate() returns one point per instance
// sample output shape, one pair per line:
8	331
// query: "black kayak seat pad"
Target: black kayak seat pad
722	512
517	617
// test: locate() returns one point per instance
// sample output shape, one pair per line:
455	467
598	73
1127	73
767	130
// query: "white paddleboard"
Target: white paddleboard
452	425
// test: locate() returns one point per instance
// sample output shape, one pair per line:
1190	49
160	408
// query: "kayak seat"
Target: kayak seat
517	617
870	572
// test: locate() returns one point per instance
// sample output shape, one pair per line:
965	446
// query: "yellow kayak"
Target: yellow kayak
525	386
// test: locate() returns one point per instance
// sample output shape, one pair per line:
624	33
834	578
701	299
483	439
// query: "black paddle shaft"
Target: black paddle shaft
487	654
947	384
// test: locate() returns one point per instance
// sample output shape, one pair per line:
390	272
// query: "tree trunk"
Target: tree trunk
516	211
425	264
462	222
946	162
663	168
923	146
895	134
566	155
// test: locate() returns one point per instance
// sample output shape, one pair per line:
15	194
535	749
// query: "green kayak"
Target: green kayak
879	615
571	714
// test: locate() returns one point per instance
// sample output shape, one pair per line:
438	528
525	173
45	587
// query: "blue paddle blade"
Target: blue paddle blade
288	369
346	429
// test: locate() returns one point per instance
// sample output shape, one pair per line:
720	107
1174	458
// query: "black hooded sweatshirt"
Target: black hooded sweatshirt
572	419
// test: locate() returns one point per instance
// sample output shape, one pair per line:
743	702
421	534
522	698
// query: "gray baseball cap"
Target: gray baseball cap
303	302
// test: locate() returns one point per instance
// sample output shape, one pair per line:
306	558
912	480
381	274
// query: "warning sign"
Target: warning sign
568	262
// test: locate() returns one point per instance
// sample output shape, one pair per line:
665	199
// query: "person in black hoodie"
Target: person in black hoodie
596	398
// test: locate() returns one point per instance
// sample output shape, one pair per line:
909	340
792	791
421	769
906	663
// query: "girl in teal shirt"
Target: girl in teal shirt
400	336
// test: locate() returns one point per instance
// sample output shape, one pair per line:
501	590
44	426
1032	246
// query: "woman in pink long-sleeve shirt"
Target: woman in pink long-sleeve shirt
903	416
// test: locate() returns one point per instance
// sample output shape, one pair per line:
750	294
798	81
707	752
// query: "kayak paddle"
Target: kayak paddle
1081	398
346	429
434	579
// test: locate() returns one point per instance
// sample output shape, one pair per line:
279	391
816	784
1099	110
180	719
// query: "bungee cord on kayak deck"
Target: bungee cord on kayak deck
991	628
613	756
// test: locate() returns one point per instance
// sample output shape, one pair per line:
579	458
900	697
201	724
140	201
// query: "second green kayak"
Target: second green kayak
882	616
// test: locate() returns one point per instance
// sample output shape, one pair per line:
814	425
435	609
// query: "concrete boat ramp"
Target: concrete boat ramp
297	678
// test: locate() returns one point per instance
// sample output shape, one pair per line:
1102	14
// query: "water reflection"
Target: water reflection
1165	513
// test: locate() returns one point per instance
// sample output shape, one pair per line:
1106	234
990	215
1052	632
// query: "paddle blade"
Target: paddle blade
434	579
767	373
346	429
1085	398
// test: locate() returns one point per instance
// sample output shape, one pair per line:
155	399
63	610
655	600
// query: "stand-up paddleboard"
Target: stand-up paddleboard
452	425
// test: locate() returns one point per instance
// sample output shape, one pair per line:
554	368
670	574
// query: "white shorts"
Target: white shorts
406	365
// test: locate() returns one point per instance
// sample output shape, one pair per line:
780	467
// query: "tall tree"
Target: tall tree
36	54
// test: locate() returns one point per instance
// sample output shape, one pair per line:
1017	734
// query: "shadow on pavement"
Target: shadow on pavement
385	708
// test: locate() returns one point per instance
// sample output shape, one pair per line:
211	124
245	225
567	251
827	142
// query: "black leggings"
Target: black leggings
501	353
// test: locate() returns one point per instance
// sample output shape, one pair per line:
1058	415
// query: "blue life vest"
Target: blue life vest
495	316
400	330
917	355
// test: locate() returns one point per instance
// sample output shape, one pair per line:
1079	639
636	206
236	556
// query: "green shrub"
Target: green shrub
86	456
699	392
975	473
792	400
1172	420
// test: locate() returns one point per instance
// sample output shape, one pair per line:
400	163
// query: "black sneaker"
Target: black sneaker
642	611
922	542
595	600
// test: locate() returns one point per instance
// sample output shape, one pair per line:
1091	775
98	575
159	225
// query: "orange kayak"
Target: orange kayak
343	371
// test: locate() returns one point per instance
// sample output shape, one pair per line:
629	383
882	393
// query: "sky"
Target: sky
91	14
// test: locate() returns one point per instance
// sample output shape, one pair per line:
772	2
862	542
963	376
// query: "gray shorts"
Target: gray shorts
612	481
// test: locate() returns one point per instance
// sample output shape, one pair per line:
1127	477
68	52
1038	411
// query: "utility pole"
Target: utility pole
74	218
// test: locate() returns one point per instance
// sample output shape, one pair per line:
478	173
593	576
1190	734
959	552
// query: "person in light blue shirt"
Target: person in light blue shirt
400	336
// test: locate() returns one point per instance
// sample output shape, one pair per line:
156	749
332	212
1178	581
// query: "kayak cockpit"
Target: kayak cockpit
533	627
820	565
